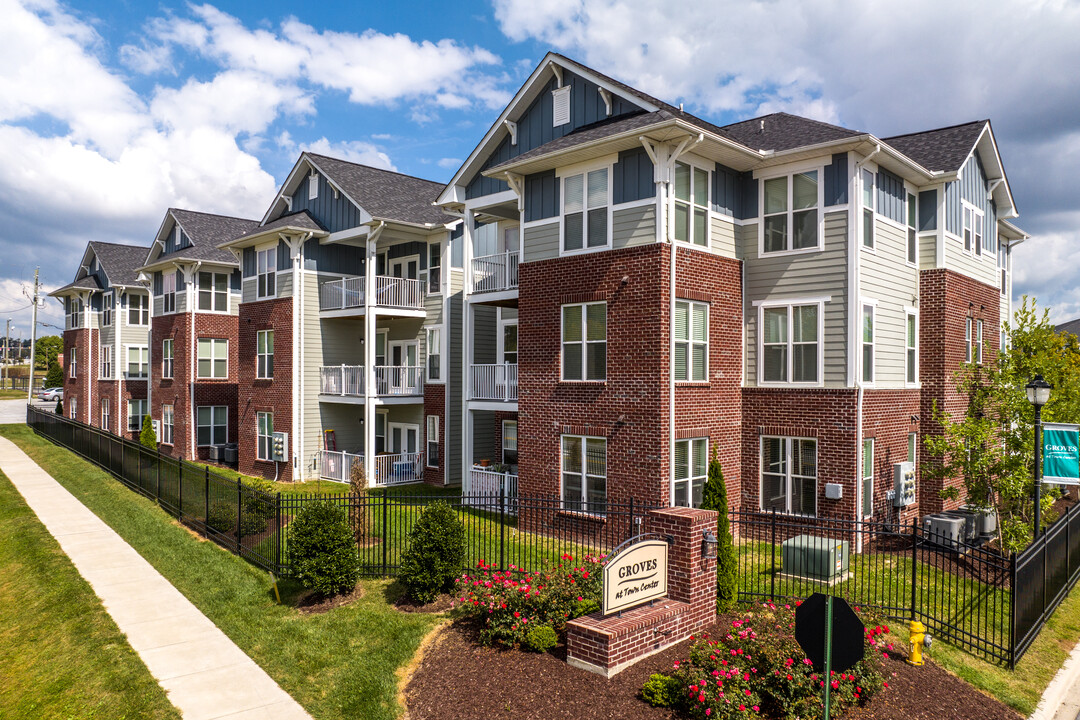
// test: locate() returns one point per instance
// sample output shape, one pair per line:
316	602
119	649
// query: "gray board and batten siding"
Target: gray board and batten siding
452	421
330	209
972	188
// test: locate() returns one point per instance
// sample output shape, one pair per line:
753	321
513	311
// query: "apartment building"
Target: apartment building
644	288
349	323
106	347
194	329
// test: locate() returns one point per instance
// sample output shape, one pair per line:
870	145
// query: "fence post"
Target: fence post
502	526
180	494
138	467
206	504
239	512
772	566
277	511
385	539
1012	613
914	564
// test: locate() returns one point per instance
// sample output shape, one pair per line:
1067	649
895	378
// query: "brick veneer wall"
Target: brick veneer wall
220	392
435	404
888	417
83	341
272	395
172	391
946	300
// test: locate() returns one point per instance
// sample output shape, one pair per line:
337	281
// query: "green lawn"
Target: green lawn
341	664
12	394
62	655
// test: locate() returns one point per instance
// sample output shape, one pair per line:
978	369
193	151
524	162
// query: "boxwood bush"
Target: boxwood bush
321	549
435	553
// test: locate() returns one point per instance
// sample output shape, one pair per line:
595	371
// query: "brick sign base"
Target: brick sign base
609	645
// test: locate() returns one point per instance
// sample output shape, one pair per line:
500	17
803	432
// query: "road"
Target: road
14	411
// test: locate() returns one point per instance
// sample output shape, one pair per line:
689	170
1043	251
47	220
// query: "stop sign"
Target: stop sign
847	634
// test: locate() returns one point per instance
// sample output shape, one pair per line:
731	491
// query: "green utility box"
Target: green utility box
816	558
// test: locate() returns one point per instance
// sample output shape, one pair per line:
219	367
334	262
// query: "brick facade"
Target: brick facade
270	395
435	404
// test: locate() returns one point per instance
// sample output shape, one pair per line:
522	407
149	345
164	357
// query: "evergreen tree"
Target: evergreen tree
147	436
55	376
714	497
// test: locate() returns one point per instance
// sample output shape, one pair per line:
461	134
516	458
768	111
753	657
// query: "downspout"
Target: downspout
193	352
856	323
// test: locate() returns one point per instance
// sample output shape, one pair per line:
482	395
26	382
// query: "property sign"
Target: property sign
1061	453
636	575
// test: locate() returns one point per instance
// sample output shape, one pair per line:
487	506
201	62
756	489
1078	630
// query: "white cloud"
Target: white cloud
449	163
356	151
236	101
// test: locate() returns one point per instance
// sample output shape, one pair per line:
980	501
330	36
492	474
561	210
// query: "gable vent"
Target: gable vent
313	187
560	106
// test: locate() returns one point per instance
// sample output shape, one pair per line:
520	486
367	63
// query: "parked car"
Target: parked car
53	393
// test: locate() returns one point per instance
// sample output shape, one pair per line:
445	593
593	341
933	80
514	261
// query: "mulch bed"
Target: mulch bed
460	679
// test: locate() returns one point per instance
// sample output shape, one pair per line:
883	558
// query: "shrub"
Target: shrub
714	497
661	690
258	506
59	409
541	638
509	603
55	376
222	516
757	669
147	436
321	549
435	553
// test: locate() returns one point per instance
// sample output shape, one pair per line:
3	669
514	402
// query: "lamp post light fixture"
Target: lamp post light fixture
1038	394
709	544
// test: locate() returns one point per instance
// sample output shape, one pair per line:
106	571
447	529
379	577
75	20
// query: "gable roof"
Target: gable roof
121	263
1072	326
205	231
302	220
782	131
90	282
384	194
945	149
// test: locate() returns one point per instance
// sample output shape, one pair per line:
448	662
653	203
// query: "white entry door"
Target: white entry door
404	361
404	438
406	267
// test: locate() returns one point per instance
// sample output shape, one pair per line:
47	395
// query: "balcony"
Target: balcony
486	487
347	381
390	469
495	273
494	382
392	293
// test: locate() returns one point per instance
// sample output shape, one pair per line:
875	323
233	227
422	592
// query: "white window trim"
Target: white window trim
262	249
127	363
211	426
259	355
108	308
965	206
502	450
73	365
213	292
689	479
584	343
428	441
165	293
864	478
584	499
141	415
789	172
790	303
690	342
170	357
608	163
103	351
969	336
978	345
171	425
213	344
913	447
909	193
871	168
73	409
787	473
146	308
442	267
500	340
259	437
441	380
911	312
694	163
106	413
872	304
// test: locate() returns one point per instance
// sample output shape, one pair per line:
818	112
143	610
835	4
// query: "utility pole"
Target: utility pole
7	354
33	339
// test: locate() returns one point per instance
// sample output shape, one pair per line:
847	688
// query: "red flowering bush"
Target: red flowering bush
757	669
509	603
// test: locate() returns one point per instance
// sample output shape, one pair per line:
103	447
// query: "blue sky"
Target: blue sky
112	112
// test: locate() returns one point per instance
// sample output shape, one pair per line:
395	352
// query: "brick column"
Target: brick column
691	578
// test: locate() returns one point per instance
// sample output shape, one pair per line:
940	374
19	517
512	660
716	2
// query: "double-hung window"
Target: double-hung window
168	291
967	340
867	489
214	292
1003	262
434	269
106	362
136	412
105	412
509	442
138	309
691	204
912	236
213	358
107	309
978	350
584	341
434	353
212	424
432	441
790	207
266	267
789	475
691	341
167	358
73	411
868	343
167	424
264	362
264	432
138	361
973	230
911	359
73	365
585	210
868	202
790	344
74	316
584	473
691	465
912	446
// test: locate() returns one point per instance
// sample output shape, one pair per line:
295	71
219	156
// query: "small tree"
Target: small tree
358	508
46	350
714	497
147	436
435	553
59	406
322	550
55	376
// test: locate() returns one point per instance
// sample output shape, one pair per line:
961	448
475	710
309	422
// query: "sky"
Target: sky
111	112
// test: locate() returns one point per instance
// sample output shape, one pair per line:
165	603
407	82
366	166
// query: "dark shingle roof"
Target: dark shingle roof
1073	326
120	262
782	131
90	282
206	232
385	194
944	149
302	219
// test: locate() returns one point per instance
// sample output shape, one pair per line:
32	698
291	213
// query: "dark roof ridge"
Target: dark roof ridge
939	129
209	214
116	244
378	169
803	118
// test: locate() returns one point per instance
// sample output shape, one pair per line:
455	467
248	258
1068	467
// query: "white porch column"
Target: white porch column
369	360
466	349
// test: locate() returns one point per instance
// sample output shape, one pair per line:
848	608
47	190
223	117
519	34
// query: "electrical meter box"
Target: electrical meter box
279	447
815	557
903	484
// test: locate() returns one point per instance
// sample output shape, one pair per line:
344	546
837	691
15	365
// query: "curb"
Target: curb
1063	682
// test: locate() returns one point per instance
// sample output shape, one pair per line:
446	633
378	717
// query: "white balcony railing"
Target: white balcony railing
494	382
393	292
487	486
493	273
391	469
342	380
399	379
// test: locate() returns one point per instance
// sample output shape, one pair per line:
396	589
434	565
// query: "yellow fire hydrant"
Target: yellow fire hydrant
917	634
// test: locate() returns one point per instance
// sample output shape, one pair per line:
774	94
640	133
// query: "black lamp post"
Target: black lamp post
1038	394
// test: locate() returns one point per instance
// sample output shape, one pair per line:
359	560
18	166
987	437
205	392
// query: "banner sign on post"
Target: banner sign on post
1061	453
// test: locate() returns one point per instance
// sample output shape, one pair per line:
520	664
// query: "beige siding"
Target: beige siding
159	305
886	277
181	302
633	226
722	237
485	332
284	284
927	252
433	304
799	276
980	267
541	242
248	288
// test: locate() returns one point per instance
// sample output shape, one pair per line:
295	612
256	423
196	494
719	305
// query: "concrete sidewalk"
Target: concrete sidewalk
204	673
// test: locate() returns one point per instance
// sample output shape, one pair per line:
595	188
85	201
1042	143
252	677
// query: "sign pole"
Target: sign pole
828	652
